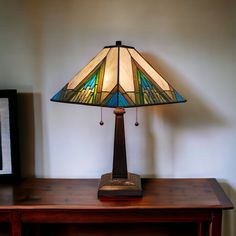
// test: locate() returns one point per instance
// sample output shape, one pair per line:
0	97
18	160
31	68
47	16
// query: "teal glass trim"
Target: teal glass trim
122	101
113	101
57	96
178	97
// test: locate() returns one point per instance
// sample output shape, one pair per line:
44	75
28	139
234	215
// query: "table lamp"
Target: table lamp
118	77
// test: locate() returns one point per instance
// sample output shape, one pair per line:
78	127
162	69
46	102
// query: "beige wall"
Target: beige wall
192	43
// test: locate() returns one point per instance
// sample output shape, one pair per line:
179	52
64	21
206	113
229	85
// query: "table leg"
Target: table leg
199	229
37	230
15	222
215	225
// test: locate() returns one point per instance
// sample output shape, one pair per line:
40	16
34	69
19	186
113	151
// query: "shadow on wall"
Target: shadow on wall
150	145
195	114
31	135
26	133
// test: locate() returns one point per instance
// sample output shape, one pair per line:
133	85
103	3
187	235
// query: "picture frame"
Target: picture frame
9	154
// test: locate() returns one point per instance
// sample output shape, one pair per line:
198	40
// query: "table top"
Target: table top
81	194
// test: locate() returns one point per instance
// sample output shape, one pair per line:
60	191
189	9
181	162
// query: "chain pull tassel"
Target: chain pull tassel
136	122
101	122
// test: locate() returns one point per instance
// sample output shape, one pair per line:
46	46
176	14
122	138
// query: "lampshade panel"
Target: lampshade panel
118	77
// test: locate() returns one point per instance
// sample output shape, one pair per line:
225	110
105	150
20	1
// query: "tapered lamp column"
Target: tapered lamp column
119	170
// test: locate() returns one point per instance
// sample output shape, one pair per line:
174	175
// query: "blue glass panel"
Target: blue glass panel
57	96
122	100
148	88
113	100
147	84
90	83
86	93
179	98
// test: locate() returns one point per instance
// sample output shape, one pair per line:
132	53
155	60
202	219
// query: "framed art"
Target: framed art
9	157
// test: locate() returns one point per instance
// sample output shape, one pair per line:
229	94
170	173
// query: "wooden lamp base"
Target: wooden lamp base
118	187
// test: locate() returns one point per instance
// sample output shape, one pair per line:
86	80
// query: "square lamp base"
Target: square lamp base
130	187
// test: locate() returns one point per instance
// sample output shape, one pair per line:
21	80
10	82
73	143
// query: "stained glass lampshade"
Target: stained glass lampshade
118	77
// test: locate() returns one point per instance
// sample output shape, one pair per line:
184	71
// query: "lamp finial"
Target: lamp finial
118	43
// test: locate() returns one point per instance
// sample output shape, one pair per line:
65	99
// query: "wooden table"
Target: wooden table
38	201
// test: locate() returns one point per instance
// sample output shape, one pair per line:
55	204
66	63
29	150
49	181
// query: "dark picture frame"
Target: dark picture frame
9	153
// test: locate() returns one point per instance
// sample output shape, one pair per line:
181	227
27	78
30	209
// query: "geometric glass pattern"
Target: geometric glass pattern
118	76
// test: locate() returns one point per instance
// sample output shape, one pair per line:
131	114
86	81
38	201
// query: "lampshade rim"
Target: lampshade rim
110	106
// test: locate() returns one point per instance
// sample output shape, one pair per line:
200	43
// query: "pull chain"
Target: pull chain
101	122
136	123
